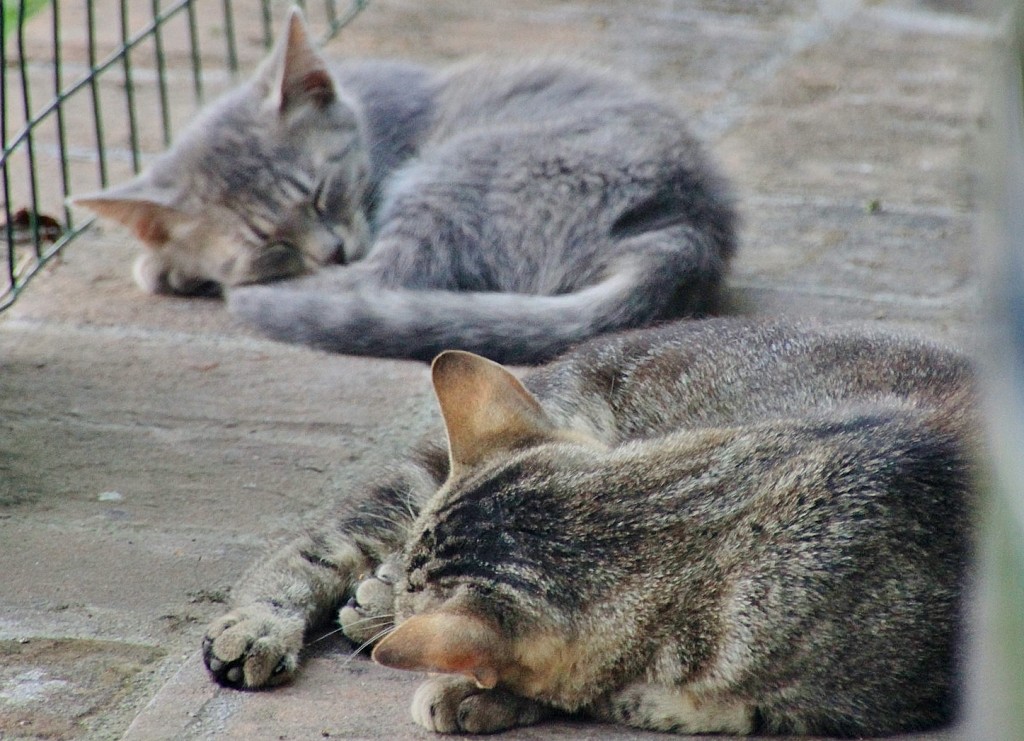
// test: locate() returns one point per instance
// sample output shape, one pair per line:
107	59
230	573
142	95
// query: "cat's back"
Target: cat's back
830	467
727	372
390	91
486	92
396	101
546	92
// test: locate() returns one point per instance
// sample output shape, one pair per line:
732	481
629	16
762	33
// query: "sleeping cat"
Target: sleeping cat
716	526
512	209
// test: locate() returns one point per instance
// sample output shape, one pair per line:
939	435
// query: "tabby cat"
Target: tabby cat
716	526
509	208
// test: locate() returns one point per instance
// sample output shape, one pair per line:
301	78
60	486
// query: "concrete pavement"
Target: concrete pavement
151	448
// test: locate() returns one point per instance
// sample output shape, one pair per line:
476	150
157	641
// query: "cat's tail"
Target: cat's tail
511	328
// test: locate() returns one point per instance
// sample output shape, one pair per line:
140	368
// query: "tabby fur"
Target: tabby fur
718	526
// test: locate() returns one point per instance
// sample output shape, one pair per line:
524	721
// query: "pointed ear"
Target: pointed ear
448	643
137	205
295	72
485	408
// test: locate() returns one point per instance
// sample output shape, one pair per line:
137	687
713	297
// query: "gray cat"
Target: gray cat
716	526
511	209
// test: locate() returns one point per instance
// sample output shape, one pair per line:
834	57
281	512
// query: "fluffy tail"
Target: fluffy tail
506	327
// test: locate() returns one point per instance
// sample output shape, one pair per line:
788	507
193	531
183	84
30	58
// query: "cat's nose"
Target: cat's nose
336	253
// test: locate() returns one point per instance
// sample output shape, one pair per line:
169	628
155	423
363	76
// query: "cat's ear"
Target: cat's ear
138	205
485	408
448	643
296	72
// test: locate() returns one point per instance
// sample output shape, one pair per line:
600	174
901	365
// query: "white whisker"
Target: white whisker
384	621
372	619
328	634
394	521
410	507
373	639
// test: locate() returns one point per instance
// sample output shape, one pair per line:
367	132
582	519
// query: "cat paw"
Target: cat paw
253	647
150	273
659	707
370	614
153	276
276	261
450	704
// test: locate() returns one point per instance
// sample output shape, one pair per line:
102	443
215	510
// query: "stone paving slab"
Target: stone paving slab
88	674
881	113
151	447
843	260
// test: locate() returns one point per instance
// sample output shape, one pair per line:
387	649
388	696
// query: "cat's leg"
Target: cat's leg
154	276
257	643
300	587
454	704
369	613
672	709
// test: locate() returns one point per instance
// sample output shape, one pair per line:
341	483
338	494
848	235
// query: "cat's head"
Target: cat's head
488	590
267	183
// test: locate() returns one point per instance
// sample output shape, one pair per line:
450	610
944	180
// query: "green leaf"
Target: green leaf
11	11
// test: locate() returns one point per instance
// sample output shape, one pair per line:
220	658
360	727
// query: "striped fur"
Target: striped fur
724	525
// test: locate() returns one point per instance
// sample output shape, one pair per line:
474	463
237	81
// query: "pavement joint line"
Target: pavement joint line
730	111
937	23
203	339
962	295
87	349
283	432
833	16
854	204
140	73
254	427
220	536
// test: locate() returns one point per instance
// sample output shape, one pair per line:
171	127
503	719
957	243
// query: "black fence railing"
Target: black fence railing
89	88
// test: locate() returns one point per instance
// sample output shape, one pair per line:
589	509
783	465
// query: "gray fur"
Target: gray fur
508	208
739	526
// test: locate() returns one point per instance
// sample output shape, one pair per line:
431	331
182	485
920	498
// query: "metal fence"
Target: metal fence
86	93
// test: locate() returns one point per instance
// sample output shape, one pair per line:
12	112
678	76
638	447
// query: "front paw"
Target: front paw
370	614
253	647
451	704
154	276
